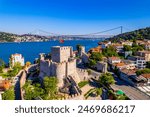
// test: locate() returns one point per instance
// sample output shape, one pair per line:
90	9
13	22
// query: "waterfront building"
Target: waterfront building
16	58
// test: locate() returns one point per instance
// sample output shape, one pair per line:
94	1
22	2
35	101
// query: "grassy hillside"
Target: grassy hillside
137	34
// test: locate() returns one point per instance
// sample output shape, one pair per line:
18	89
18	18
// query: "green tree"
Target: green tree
14	71
48	91
139	36
2	65
127	48
96	56
17	66
96	91
106	79
143	71
136	48
83	83
134	35
148	64
110	51
92	62
9	94
32	91
78	47
50	87
116	71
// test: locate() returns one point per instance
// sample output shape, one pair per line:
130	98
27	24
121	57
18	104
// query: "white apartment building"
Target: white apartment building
112	60
139	62
16	58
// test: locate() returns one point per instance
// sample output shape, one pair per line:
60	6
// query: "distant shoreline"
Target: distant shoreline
48	41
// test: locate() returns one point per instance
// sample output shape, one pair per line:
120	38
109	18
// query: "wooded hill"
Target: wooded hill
133	35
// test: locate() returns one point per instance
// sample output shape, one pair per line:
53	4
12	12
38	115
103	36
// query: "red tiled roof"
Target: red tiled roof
129	71
146	75
119	64
96	49
114	58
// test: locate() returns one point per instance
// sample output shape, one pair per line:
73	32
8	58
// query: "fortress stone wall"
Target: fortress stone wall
62	65
83	74
44	68
71	67
85	58
102	67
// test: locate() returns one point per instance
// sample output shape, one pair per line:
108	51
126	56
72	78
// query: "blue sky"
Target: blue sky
73	16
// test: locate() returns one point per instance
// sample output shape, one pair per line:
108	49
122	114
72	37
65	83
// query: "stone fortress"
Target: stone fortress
62	64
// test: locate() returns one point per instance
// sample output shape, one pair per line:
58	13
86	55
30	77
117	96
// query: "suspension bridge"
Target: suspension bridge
89	35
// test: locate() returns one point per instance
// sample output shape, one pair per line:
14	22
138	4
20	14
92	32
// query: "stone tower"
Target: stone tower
61	54
82	50
61	65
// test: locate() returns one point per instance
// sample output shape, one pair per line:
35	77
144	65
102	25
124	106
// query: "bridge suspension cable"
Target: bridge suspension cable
90	34
120	27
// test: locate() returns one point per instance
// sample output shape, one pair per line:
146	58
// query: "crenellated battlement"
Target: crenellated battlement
61	54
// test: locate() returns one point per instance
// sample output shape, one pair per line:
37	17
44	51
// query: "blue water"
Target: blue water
31	50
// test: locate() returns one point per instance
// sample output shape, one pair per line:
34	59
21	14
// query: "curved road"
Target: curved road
131	92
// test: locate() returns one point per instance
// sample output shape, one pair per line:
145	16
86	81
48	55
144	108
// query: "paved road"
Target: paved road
130	91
